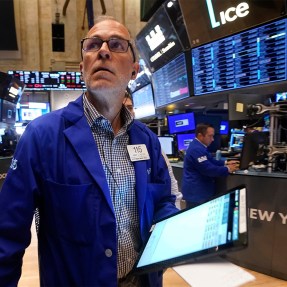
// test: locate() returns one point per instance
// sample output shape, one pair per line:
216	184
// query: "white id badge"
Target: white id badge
138	152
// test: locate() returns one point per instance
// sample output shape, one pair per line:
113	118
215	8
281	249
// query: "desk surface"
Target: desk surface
172	279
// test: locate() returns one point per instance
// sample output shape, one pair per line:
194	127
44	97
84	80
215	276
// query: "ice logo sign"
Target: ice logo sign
229	15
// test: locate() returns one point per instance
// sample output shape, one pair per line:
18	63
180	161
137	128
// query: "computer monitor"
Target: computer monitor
8	112
179	123
167	145
236	141
224	128
183	140
171	82
254	149
143	102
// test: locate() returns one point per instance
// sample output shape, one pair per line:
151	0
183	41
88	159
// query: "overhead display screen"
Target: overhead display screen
209	20
35	80
170	82
160	40
253	57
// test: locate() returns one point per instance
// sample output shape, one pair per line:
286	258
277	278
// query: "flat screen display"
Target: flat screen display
281	97
183	140
208	20
170	82
209	229
8	112
253	57
236	141
158	41
143	102
36	80
167	145
179	123
224	128
11	88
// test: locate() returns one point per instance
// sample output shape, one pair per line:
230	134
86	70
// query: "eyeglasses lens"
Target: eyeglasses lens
115	45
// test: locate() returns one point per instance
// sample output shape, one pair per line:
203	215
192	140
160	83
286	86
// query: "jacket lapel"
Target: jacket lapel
80	136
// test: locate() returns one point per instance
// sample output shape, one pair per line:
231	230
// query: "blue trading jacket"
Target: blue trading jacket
199	173
57	168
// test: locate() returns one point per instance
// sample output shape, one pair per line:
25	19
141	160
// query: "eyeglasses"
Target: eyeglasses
116	45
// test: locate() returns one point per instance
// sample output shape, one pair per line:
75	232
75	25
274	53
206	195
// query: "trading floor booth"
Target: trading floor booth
267	219
266	197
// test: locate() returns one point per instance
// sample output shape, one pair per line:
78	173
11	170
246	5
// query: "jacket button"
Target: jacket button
108	252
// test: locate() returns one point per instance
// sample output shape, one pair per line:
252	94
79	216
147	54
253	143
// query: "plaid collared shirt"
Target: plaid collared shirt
120	176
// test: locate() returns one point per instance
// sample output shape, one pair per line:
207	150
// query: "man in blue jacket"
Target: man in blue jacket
200	168
95	177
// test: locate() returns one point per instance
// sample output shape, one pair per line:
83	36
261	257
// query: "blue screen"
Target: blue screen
253	57
179	123
183	140
224	128
281	96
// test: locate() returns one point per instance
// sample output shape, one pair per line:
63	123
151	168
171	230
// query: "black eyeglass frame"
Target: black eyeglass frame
107	41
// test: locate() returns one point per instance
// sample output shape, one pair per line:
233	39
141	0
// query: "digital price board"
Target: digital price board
37	80
252	57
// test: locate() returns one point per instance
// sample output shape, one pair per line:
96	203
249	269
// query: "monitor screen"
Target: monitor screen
11	88
224	128
179	123
32	110
158	41
204	230
209	20
143	102
250	58
236	141
8	112
183	140
170	82
281	96
254	149
167	145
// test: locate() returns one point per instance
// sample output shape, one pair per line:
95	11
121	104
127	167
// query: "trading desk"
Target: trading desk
267	219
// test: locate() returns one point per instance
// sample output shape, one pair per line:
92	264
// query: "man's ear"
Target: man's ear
135	71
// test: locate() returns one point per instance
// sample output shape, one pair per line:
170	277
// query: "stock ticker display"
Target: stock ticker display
253	57
35	80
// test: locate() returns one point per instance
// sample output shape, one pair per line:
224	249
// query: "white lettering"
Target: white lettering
264	215
253	213
162	51
227	16
284	217
230	15
213	21
202	158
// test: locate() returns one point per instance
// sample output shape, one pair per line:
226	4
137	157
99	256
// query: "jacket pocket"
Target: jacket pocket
70	211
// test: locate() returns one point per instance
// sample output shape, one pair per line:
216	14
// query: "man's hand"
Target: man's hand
232	165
